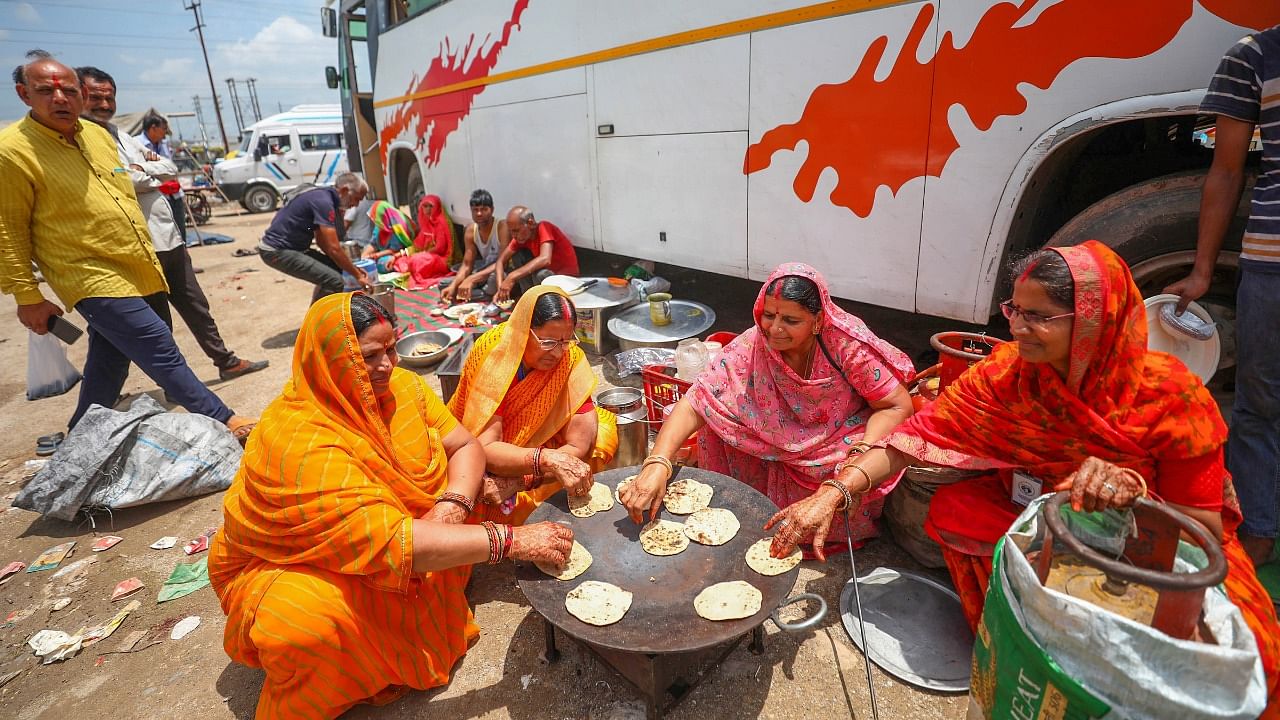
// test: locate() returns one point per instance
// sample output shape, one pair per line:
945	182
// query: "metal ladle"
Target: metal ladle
862	625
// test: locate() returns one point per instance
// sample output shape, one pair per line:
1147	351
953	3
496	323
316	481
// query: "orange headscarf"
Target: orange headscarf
435	230
536	409
329	478
1119	402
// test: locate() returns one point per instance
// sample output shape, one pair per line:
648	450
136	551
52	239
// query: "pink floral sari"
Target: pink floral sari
783	434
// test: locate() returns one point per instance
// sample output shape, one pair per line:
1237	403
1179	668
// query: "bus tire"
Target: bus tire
414	187
1153	225
259	198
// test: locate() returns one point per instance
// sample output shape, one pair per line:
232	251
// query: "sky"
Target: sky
147	46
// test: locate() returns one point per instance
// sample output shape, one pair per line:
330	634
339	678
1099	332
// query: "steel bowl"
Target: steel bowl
406	345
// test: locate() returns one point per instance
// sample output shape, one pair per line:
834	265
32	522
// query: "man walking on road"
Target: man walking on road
149	172
1245	93
67	204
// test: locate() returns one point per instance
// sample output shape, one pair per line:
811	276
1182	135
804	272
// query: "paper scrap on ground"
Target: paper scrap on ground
185	579
164	543
130	641
201	543
52	558
125	588
10	570
4	679
54	645
18	616
103	632
184	627
106	542
61	603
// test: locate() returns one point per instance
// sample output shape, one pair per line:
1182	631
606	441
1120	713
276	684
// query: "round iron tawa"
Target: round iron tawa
661	618
688	319
915	627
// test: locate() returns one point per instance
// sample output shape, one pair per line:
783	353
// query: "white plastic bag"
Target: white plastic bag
49	373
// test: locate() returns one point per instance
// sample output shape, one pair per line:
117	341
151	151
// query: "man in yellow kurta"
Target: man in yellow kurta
67	205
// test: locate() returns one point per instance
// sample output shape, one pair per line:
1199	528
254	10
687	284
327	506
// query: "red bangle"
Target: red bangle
494	546
467	504
506	544
530	482
537	462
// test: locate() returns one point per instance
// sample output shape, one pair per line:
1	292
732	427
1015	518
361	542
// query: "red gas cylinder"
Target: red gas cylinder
958	352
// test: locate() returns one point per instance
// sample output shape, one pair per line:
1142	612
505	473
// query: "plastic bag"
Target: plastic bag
630	362
49	373
1041	653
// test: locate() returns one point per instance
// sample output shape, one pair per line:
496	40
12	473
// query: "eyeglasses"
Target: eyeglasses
1034	319
548	345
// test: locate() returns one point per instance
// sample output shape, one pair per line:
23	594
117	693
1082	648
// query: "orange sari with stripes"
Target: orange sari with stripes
535	410
314	562
1120	403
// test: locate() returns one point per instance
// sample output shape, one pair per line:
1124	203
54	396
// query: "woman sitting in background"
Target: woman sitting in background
343	556
787	402
390	240
525	393
1078	402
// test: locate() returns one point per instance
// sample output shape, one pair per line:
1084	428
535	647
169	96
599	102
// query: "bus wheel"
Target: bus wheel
414	188
1153	226
259	199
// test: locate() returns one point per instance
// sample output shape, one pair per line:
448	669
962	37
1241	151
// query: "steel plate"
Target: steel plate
688	319
661	618
915	627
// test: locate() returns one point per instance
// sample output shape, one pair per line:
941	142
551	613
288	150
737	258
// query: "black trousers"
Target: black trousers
187	297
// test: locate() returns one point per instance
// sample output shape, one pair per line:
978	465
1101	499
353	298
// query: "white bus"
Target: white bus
907	149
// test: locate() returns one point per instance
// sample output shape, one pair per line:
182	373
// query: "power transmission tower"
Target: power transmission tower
194	7
235	105
195	101
253	98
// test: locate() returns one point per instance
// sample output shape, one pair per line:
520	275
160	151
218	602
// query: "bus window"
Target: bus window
397	11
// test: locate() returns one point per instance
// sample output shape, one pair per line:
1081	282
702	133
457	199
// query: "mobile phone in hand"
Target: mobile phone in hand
64	330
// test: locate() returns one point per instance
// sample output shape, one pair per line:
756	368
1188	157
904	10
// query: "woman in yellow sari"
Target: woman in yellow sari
525	393
344	554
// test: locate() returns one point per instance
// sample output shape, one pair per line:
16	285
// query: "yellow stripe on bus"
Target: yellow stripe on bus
808	13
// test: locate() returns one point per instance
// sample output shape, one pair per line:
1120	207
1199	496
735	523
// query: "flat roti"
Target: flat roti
687	496
711	526
598	500
617	493
663	537
728	601
758	559
597	603
579	561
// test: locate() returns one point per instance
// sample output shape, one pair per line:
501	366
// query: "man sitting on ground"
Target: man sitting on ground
316	213
537	251
482	244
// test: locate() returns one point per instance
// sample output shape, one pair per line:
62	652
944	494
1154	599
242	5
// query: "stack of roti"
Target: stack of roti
711	526
663	537
728	601
578	562
598	603
598	500
687	496
758	559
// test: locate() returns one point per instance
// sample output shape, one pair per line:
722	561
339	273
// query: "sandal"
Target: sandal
48	444
244	252
241	427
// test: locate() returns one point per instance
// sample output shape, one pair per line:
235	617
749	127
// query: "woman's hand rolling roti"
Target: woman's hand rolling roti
808	518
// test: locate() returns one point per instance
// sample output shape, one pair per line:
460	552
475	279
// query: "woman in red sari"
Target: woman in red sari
1077	401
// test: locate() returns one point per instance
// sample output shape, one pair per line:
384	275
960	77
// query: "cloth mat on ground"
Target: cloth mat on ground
413	311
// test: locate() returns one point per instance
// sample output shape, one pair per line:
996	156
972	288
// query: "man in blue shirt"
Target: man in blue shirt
315	214
154	130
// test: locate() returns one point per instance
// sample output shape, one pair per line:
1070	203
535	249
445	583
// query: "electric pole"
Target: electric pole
235	105
194	7
253	98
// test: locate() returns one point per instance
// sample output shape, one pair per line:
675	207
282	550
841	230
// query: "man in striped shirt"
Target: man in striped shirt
1244	94
67	204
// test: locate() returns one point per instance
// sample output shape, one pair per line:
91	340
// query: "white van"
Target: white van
281	152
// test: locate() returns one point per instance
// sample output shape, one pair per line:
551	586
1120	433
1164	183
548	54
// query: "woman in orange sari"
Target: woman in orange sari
525	393
1078	402
343	555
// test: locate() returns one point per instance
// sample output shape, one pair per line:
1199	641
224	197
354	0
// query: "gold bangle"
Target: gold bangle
844	491
1136	476
659	460
871	485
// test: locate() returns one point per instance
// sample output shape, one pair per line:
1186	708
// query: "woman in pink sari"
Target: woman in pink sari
786	402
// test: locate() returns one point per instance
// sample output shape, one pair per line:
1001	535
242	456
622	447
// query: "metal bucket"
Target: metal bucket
385	294
633	426
352	249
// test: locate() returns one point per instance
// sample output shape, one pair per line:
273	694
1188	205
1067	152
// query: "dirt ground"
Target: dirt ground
813	674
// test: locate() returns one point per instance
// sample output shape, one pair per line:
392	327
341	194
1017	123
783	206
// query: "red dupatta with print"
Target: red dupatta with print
1119	402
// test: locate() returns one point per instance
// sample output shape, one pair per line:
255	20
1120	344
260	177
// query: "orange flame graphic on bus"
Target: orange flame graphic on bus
871	131
436	117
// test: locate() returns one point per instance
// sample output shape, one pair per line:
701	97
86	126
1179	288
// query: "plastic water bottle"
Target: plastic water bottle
691	358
